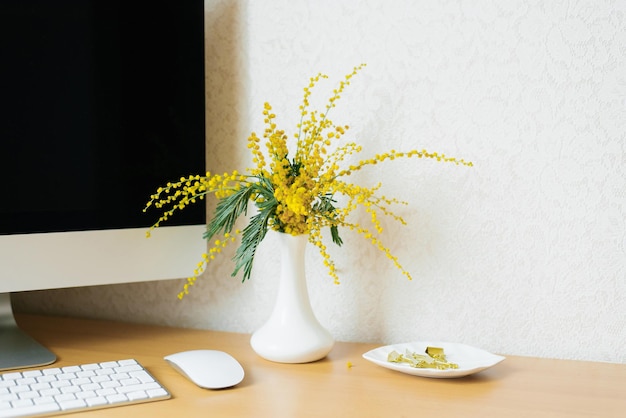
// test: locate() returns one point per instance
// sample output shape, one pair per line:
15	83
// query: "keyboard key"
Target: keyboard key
50	392
64	397
117	398
44	399
128	382
157	393
86	394
105	392
72	404
93	402
20	403
133	396
109	365
30	410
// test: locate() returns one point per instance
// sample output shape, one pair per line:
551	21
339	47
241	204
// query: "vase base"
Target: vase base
292	350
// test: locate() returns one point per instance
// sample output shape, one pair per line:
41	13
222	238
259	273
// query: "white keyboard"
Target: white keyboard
54	391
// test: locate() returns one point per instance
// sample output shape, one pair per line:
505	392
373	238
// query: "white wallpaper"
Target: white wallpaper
523	254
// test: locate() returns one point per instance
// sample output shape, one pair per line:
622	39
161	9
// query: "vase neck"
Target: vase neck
292	246
293	284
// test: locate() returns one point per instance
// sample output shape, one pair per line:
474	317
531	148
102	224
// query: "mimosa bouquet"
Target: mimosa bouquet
294	193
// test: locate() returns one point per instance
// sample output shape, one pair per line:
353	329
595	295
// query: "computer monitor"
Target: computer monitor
101	102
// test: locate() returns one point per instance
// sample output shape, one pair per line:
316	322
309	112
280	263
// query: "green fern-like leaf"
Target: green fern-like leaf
334	232
227	212
252	236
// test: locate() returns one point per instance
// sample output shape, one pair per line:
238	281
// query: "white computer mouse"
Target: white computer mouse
210	369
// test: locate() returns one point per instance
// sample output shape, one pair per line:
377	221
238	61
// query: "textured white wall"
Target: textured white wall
522	254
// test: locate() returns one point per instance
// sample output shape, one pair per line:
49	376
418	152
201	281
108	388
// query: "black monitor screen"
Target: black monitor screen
101	102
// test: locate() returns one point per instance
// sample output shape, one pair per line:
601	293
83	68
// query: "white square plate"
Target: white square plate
470	359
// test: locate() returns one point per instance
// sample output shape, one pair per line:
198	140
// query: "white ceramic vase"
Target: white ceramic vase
292	334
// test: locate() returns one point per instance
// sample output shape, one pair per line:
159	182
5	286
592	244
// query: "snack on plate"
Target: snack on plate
435	358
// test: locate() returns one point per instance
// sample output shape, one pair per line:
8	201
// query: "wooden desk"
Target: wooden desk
517	387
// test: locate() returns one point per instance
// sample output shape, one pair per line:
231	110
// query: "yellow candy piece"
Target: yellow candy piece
436	353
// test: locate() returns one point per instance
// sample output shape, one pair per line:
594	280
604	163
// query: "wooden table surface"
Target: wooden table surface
517	387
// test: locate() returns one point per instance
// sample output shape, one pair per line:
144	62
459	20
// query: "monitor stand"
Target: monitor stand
18	349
